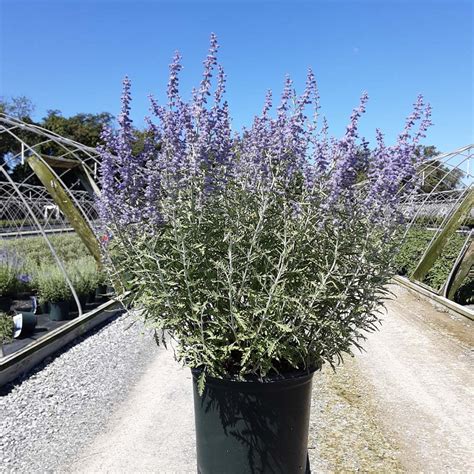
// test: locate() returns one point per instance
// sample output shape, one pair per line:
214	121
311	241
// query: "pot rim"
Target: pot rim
293	378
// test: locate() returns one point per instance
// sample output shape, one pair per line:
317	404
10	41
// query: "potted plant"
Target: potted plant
54	289
8	280
84	277
262	255
43	307
102	286
24	324
6	330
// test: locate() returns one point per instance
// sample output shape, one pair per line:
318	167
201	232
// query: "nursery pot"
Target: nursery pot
44	307
5	303
253	426
83	301
100	292
24	323
59	311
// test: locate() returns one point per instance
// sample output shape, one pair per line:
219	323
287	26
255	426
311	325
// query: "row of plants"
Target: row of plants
48	283
28	270
415	244
35	251
8	223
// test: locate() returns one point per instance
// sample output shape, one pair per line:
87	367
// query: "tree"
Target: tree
436	175
83	128
18	107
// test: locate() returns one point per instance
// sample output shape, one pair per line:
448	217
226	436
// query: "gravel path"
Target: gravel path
420	368
115	403
152	431
345	430
405	403
48	417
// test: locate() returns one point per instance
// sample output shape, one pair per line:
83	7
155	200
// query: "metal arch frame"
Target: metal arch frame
80	147
454	207
71	148
87	159
44	235
443	159
450	224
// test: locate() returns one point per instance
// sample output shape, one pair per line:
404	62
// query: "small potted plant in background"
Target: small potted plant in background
42	306
6	330
262	256
103	286
54	289
84	277
24	283
8	280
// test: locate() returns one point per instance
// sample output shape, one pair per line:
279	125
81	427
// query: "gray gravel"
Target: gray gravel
51	415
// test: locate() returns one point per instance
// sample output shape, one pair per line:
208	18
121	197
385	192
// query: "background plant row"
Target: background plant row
28	266
410	253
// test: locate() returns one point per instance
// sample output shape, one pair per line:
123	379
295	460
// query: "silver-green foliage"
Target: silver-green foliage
6	328
8	280
52	285
248	284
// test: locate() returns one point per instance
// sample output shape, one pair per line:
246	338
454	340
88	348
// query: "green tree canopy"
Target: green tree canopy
436	175
84	128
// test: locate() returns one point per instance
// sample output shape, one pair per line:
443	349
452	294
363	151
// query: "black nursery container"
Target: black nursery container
253	427
44	307
59	311
100	293
5	303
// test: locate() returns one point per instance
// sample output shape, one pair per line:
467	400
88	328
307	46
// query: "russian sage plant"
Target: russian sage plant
258	252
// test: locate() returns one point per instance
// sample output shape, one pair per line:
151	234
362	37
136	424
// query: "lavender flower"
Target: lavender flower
190	144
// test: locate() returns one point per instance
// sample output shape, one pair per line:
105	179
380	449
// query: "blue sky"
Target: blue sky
72	56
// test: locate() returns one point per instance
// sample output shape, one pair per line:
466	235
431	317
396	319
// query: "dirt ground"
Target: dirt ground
406	403
403	405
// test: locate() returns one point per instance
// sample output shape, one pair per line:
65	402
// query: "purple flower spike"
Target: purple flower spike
192	144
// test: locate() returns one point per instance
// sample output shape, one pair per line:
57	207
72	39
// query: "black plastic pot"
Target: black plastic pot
44	307
83	301
59	311
24	323
253	427
100	292
5	303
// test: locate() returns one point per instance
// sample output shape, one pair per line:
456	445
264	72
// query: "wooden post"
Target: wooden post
51	182
436	247
460	271
87	181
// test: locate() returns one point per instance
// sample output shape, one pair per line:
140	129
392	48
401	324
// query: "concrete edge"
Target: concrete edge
446	304
22	361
